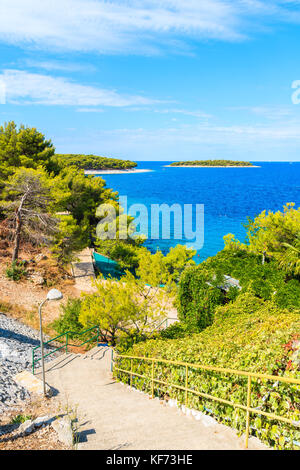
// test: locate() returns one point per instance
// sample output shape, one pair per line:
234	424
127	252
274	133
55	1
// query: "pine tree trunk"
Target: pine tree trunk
17	237
18	227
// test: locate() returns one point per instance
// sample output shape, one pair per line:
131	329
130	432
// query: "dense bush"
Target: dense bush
249	270
198	298
288	295
68	320
15	271
273	236
124	252
174	331
200	293
237	340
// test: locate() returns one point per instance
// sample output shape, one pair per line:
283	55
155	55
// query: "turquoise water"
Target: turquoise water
229	195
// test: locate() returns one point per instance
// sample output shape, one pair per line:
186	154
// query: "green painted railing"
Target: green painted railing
66	343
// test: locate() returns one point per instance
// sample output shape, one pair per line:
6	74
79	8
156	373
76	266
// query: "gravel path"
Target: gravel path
16	343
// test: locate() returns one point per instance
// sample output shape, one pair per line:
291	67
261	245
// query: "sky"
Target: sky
155	79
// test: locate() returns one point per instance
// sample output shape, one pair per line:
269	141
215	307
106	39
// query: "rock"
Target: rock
32	383
27	427
42	421
37	279
4	350
16	343
40	257
63	428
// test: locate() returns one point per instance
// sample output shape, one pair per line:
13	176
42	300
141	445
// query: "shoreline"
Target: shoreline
114	172
211	166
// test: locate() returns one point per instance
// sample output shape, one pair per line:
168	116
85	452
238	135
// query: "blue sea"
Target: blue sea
229	195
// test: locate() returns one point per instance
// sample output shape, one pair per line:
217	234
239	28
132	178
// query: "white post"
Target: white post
53	294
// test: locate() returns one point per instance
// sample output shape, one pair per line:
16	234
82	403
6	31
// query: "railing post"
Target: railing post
248	412
112	360
32	352
131	370
186	384
67	338
152	379
98	335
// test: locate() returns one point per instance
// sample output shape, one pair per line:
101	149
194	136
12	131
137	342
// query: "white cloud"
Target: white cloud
203	133
90	110
56	65
135	26
29	88
197	114
179	140
272	113
241	142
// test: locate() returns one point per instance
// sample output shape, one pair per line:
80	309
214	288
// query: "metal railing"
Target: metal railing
250	376
165	322
66	343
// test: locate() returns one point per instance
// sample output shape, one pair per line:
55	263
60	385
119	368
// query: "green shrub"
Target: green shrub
19	419
200	293
124	252
16	271
261	342
126	341
288	295
198	298
264	279
246	302
176	330
68	320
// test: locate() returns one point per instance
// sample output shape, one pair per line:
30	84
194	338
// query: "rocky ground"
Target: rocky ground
14	426
16	343
21	298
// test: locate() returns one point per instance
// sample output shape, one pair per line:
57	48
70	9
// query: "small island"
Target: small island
93	162
213	163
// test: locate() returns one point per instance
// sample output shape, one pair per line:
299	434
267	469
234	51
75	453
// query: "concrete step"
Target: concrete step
114	416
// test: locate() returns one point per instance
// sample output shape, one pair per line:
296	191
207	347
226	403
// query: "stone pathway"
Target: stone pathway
83	271
113	416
